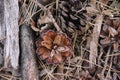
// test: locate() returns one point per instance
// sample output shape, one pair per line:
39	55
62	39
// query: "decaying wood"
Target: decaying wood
11	48
28	63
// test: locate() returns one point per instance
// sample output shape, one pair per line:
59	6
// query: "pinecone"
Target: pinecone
53	47
71	14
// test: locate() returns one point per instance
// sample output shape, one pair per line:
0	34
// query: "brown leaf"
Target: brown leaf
91	10
105	41
33	26
104	1
85	75
48	18
112	31
115	46
116	24
108	22
108	13
93	2
105	31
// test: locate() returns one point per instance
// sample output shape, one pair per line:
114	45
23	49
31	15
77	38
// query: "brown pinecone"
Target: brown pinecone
53	47
71	14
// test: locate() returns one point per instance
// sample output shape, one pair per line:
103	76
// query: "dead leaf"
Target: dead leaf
33	26
108	13
48	18
112	31
105	41
104	1
115	46
91	10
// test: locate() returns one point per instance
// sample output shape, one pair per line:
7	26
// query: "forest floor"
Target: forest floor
74	39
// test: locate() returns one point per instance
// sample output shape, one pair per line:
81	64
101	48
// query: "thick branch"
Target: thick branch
28	63
12	33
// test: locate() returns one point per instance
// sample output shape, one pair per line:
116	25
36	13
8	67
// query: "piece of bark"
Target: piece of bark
28	63
11	45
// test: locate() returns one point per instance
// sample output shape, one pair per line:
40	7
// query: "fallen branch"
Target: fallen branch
95	38
28	63
11	46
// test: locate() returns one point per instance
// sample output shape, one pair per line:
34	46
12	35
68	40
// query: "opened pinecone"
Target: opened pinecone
53	47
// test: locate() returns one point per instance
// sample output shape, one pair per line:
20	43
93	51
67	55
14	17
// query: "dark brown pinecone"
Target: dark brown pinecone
71	14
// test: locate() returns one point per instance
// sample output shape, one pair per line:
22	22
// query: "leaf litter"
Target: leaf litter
94	29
